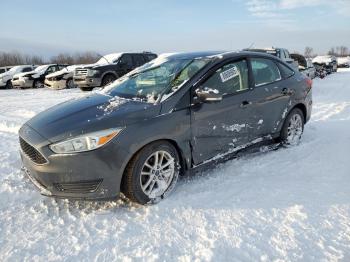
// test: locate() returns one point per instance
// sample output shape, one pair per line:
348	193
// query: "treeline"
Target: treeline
339	51
16	58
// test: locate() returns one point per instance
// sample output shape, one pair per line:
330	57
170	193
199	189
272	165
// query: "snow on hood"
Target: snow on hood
108	59
12	71
68	69
322	59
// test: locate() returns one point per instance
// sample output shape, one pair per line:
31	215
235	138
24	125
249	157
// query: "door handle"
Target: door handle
244	104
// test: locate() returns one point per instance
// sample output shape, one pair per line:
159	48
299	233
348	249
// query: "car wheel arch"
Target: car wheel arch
302	107
180	152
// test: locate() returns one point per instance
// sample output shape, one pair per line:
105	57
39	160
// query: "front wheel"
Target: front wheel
152	173
9	85
70	83
108	79
293	127
38	84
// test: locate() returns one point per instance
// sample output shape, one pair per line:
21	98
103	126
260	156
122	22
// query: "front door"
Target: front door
223	126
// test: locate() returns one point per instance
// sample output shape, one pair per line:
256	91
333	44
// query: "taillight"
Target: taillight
309	83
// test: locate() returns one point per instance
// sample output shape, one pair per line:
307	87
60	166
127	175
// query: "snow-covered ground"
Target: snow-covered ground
291	204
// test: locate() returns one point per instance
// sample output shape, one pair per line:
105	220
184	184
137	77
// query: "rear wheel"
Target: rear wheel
9	85
152	173
107	79
293	127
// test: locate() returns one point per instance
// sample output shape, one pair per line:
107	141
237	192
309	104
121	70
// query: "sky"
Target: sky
47	28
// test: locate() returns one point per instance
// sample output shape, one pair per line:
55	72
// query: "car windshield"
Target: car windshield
149	82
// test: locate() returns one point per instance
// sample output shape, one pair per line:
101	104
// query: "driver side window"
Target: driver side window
228	79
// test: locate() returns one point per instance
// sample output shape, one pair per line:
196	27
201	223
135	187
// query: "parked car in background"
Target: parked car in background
109	68
328	62
168	117
35	78
5	69
61	79
281	53
343	62
305	66
5	78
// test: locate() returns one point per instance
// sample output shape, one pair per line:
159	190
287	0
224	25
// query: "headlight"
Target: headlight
92	72
85	142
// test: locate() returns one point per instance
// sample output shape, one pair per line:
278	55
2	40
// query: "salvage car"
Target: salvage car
305	66
61	79
343	62
328	62
109	68
4	69
5	78
281	53
175	114
35	78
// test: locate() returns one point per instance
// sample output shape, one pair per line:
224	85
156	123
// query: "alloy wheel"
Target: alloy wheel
157	174
295	129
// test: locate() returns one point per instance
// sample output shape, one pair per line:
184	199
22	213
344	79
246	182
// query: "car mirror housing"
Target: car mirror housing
208	95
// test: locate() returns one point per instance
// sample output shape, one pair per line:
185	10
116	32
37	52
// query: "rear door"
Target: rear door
138	60
272	95
126	64
221	127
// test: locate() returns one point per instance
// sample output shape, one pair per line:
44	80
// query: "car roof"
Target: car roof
213	54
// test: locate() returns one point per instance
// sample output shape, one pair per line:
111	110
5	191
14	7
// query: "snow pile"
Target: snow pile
290	204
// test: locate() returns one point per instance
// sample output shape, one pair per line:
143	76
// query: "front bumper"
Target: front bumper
83	81
93	175
55	84
21	83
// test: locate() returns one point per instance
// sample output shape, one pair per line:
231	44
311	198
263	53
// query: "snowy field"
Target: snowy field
292	204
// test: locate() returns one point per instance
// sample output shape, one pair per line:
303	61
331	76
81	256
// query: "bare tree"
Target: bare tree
343	51
308	51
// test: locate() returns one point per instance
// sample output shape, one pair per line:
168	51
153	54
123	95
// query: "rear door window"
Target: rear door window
228	79
285	70
150	57
138	60
265	71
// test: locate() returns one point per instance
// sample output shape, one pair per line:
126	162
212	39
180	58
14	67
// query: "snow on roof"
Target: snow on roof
343	60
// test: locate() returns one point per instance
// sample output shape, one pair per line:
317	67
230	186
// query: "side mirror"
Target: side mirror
208	95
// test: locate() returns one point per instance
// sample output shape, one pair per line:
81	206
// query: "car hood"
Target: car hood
89	114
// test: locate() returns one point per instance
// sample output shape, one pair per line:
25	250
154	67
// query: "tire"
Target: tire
86	88
38	84
9	85
153	185
107	79
70	83
293	128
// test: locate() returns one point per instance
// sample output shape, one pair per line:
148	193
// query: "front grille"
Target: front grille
81	72
88	186
32	153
